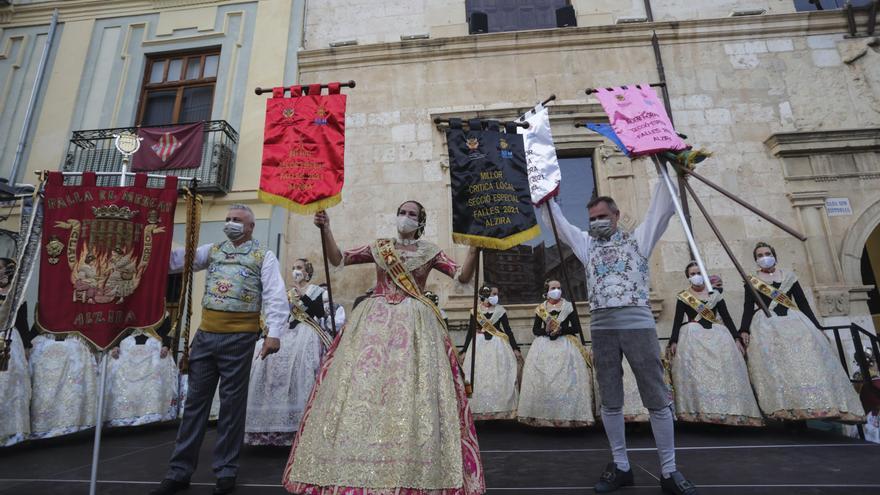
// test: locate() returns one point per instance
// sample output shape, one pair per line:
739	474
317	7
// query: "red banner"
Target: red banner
166	148
104	262
304	149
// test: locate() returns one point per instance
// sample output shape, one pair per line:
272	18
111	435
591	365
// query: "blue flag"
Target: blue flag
607	131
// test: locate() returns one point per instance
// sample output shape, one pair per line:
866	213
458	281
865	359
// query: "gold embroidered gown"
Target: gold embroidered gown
388	414
557	379
495	394
794	369
710	377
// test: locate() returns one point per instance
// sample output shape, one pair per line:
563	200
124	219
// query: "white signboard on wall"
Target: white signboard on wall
838	207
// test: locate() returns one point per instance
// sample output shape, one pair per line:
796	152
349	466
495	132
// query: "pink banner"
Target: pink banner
639	119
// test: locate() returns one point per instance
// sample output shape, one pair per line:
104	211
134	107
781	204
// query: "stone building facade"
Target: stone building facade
787	100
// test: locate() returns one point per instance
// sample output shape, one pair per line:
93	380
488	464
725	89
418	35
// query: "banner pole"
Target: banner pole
664	176
99	418
475	308
565	275
99	414
329	286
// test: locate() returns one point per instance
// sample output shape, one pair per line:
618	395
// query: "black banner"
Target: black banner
491	204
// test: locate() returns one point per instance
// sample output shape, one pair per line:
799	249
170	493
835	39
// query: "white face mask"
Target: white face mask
233	230
767	262
554	294
493	300
298	275
697	280
601	229
406	225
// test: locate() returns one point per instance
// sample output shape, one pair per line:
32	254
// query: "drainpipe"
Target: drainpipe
41	71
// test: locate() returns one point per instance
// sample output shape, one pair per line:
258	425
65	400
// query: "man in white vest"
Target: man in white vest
621	324
243	280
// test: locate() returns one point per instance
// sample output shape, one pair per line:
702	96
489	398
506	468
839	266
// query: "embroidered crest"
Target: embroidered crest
54	248
321	115
504	146
473	144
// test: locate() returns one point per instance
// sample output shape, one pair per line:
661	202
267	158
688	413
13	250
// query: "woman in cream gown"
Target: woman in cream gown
495	395
280	386
389	415
793	366
557	379
709	374
15	382
64	377
141	381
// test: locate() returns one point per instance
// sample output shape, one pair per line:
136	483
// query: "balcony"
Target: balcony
94	151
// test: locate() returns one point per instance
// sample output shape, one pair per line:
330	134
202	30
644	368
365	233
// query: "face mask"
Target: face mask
554	294
234	230
298	275
767	262
406	225
493	300
325	298
697	280
601	229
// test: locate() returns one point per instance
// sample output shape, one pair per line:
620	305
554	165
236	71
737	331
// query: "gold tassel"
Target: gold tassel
193	221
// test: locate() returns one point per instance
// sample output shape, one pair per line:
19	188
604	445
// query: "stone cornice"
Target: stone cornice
806	143
80	10
567	39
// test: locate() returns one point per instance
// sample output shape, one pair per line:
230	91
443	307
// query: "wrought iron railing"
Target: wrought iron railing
94	151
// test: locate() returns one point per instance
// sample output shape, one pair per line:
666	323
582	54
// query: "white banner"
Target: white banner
543	167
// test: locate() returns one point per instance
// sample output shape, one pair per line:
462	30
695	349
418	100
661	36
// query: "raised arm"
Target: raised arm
200	262
575	238
322	221
656	219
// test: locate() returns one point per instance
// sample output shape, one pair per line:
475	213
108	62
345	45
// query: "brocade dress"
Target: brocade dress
709	374
495	395
15	385
64	386
389	415
794	369
141	384
281	384
557	380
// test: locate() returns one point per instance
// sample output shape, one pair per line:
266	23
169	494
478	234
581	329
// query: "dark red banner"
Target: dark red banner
166	148
304	149
104	258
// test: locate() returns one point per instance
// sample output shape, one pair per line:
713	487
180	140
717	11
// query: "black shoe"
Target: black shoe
224	485
613	478
170	487
677	485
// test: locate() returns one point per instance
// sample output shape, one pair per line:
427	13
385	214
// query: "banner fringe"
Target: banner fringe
148	329
309	209
495	243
